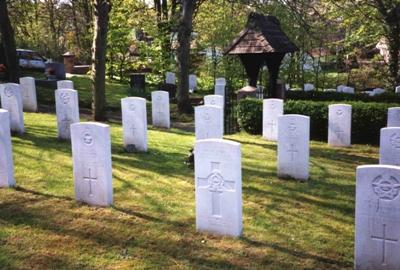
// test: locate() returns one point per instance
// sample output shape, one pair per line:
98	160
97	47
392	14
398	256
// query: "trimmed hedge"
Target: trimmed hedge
367	118
387	97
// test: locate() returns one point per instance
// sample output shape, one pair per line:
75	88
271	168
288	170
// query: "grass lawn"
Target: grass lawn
287	224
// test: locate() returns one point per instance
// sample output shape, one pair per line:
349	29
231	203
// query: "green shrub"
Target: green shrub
388	97
367	118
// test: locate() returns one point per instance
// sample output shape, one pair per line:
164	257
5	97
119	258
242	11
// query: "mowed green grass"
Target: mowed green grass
287	224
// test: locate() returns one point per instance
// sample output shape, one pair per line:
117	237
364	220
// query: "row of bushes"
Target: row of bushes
367	118
388	97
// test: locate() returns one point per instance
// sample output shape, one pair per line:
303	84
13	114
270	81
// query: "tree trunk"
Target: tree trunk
101	17
183	53
10	52
394	51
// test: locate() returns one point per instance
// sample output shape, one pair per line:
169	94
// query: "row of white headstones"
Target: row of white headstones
377	220
216	159
218	179
220	83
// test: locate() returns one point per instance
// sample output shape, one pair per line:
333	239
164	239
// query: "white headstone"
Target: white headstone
65	84
208	122
170	78
219	90
389	151
272	109
6	158
91	151
220	81
397	89
393	119
377	230
218	181
293	146
339	125
192	82
134	122
67	110
309	87
160	109
11	100
29	94
214	100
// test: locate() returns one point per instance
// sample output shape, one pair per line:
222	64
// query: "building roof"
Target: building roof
262	34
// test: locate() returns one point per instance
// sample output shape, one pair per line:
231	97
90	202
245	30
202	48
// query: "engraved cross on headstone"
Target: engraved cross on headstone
384	240
292	150
271	124
66	123
216	184
90	179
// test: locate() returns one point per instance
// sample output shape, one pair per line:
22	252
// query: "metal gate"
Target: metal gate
231	125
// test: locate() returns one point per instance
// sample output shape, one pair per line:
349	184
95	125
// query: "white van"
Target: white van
30	59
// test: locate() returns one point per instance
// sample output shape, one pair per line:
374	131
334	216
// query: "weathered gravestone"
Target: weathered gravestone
134	122
218	181
6	158
272	109
91	151
389	150
192	82
28	94
293	146
170	78
67	110
208	122
397	89
65	84
339	125
11	100
393	119
160	109
377	230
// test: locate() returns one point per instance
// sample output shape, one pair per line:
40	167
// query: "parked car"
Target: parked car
30	59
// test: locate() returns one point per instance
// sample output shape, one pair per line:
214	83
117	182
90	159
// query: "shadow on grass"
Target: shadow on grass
296	253
107	230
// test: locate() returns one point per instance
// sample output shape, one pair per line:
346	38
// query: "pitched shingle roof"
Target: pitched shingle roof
262	34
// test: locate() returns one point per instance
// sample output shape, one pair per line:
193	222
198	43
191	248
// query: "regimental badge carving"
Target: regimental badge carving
87	138
132	107
65	98
8	92
386	188
395	141
339	112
